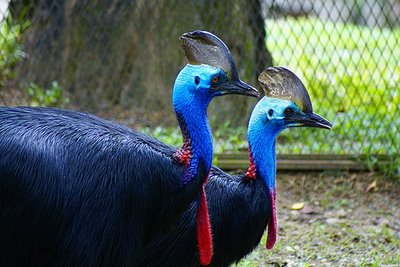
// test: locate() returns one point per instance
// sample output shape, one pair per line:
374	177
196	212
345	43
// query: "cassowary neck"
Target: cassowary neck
262	156
263	164
197	139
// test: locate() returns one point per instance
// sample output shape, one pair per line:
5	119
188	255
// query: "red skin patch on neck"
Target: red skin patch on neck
204	236
183	155
273	223
251	171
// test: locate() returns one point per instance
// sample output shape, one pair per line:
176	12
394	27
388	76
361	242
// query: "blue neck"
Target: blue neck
262	147
197	133
262	134
190	102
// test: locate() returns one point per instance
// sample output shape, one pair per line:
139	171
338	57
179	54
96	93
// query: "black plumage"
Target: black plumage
69	188
239	209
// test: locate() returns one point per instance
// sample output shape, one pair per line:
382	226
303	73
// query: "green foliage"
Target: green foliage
353	77
169	135
228	138
11	51
50	97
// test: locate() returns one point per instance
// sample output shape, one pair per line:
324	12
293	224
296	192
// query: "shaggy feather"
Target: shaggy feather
239	212
71	193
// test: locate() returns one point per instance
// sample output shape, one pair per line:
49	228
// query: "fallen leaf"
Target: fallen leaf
353	177
310	209
371	186
297	206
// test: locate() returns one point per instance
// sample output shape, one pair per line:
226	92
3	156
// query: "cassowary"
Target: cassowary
77	190
242	206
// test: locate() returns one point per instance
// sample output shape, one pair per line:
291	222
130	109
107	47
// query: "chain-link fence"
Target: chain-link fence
126	53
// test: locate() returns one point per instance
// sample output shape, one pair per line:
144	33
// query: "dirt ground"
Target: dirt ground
334	220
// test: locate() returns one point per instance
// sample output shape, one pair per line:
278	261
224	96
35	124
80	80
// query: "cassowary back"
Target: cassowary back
239	211
78	190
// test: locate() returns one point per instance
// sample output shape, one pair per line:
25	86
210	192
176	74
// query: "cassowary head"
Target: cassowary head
211	70
286	104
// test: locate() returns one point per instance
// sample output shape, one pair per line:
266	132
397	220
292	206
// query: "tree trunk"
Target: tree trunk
127	52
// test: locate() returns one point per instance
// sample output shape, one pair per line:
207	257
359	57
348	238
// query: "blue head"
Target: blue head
272	115
196	85
287	104
211	72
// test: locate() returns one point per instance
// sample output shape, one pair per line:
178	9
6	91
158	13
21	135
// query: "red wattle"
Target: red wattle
272	224
204	237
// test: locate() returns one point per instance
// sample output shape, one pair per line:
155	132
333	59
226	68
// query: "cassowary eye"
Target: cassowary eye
288	112
215	79
197	80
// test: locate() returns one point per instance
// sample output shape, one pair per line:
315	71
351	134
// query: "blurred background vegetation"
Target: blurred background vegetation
119	58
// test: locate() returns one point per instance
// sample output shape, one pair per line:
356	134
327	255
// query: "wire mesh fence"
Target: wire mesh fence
119	52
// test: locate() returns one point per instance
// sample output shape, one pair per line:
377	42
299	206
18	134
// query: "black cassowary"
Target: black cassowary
242	206
77	190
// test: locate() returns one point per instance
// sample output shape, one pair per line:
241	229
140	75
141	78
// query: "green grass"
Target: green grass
353	77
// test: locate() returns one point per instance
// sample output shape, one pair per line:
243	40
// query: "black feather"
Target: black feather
77	190
239	209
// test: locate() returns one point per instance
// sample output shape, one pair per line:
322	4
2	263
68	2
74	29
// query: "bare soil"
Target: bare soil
334	220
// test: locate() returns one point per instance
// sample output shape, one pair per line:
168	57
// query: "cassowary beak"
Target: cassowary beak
310	119
237	87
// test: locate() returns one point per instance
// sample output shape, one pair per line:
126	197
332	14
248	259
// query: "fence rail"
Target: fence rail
240	161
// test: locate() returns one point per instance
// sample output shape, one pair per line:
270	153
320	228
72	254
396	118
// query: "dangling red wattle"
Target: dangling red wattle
204	236
272	235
